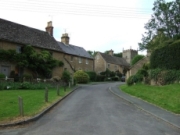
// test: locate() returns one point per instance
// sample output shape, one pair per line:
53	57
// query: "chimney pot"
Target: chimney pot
49	28
65	38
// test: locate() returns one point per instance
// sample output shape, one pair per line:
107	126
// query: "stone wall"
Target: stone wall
100	64
133	70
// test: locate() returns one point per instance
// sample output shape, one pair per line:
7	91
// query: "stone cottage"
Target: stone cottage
15	36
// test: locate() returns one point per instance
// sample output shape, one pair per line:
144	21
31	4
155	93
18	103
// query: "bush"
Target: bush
100	78
142	72
25	85
136	59
66	77
164	77
2	76
81	76
92	75
134	79
27	77
115	78
166	57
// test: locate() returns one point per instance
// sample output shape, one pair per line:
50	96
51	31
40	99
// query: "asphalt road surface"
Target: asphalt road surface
94	110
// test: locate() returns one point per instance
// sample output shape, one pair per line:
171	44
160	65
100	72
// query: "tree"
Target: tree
118	54
164	25
92	53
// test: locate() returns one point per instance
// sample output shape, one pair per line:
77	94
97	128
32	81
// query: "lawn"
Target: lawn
167	97
33	101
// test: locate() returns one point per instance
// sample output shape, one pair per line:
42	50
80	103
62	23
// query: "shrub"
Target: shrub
92	75
100	78
81	76
115	78
2	76
164	77
119	74
27	77
25	85
66	77
142	72
136	59
134	79
166	57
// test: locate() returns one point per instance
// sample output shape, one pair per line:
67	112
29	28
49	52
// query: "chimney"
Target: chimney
65	38
111	52
49	28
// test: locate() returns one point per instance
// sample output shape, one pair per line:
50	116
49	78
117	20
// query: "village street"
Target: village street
94	110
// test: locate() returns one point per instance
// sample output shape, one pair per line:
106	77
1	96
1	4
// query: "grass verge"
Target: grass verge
33	102
167	97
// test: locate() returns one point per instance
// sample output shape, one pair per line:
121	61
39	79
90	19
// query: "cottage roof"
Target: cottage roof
114	60
21	34
74	50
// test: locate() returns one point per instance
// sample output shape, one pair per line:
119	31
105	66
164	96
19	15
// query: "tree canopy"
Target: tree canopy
164	26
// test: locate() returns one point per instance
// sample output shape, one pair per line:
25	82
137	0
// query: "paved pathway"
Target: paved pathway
94	110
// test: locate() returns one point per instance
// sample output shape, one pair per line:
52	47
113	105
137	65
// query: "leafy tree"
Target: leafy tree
118	54
92	53
164	25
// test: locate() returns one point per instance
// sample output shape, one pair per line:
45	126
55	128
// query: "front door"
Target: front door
5	70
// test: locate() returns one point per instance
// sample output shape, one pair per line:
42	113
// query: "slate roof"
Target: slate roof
74	50
13	32
115	60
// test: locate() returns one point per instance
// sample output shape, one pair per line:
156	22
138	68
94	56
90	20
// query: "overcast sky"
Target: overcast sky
96	25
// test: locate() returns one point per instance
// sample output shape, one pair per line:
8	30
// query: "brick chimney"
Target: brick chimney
111	52
49	28
65	38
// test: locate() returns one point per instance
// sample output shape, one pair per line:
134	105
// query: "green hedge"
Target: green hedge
167	57
92	75
166	76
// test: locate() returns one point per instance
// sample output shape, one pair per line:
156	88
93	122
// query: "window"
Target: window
80	61
87	62
19	49
108	65
71	58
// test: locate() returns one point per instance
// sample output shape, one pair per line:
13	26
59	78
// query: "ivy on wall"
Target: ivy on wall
40	63
166	57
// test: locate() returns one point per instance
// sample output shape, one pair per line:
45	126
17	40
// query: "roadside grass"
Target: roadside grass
33	102
167	97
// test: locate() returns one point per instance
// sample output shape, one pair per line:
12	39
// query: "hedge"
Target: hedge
166	57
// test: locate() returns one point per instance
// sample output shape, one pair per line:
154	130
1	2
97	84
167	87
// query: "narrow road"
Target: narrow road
94	110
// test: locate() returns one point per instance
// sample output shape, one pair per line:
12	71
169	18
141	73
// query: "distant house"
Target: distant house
15	36
105	61
75	57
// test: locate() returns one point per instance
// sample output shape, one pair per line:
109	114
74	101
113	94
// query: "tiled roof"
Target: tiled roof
74	50
115	60
13	32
